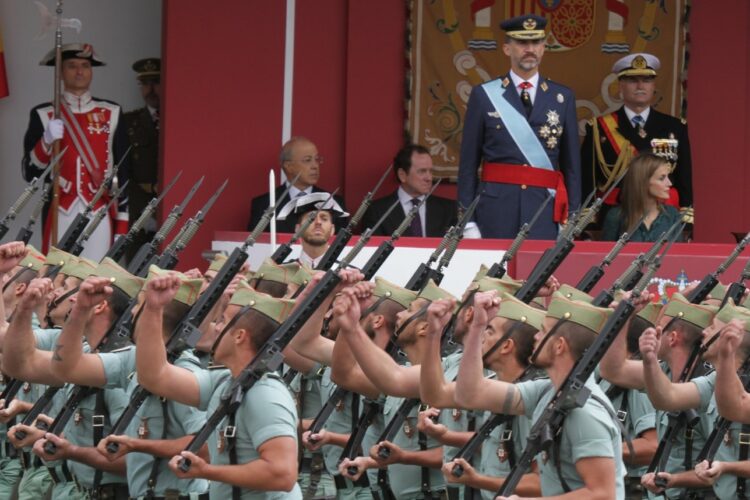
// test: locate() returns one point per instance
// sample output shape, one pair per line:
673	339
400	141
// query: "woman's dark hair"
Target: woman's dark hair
635	188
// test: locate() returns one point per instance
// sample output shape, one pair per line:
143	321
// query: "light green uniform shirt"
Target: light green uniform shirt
493	457
406	479
267	411
586	432
182	420
639	416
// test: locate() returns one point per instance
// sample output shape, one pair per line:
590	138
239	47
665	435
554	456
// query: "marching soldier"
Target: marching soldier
613	139
93	132
586	457
521	130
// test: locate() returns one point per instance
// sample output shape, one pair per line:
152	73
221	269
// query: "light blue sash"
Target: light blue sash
518	127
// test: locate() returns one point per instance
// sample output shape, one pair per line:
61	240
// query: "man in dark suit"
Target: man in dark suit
521	130
142	126
413	168
613	139
299	155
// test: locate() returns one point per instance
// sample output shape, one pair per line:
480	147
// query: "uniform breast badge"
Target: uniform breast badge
221	442
340	406
642	132
456	414
502	454
728	437
409	429
560	98
552	130
26	387
78	417
493	114
143	431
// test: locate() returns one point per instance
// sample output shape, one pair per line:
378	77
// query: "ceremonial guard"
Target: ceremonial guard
609	146
521	130
91	132
142	126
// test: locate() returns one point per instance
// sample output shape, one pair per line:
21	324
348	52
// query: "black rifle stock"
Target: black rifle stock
143	257
96	220
573	392
474	443
345	234
595	273
354	444
187	332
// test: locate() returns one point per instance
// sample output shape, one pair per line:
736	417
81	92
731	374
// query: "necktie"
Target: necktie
525	97
638	123
415	228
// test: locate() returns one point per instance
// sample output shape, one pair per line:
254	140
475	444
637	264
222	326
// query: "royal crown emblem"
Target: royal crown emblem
639	63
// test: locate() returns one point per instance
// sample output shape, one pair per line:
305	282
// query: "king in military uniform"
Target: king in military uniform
521	130
636	127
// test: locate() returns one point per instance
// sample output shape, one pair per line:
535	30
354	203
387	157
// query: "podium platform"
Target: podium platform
685	262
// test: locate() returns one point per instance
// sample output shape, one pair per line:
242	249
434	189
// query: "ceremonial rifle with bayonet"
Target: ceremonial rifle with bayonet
121	244
145	255
596	272
573	392
33	186
187	333
345	234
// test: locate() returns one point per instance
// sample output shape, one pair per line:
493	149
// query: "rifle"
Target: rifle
354	444
118	249
551	259
81	220
269	357
284	250
737	288
344	235
447	248
96	220
573	392
26	195
498	268
168	259
187	332
27	231
709	281
145	253
595	273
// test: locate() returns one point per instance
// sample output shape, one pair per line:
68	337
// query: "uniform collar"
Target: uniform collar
630	113
405	198
534	80
78	103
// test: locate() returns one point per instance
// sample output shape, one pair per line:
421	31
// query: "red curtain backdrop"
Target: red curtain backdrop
3	75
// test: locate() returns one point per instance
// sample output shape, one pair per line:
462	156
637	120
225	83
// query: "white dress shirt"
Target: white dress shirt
534	81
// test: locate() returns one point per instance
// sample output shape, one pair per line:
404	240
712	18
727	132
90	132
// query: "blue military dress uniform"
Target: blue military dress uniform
505	207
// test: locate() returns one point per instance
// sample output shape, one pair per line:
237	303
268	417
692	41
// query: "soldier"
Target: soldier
521	129
142	126
254	451
314	240
683	325
618	136
506	347
94	135
586	457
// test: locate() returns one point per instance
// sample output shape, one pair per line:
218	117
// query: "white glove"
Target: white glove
53	131
471	231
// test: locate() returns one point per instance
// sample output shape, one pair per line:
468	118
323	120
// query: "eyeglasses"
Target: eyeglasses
307	160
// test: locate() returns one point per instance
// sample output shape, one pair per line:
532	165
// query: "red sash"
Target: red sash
532	176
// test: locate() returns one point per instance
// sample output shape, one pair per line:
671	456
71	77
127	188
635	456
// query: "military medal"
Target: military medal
26	387
340	405
456	414
502	455
642	132
728	438
143	431
78	417
408	428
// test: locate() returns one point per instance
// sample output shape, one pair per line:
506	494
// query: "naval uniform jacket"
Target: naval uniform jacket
504	208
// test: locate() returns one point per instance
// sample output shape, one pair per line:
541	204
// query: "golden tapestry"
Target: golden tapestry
456	44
